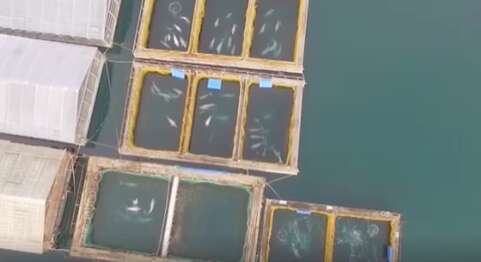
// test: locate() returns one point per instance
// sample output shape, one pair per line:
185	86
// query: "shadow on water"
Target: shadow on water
128	22
104	130
74	193
101	107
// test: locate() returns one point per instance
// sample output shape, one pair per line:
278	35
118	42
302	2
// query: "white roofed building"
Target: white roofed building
47	89
33	184
80	21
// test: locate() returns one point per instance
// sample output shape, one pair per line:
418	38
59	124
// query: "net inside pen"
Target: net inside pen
171	24
361	240
269	113
297	236
161	108
222	27
275	29
210	221
222	30
129	213
215	118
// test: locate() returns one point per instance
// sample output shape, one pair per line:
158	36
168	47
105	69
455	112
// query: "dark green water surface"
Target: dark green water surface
274	29
210	222
297	237
269	114
391	118
215	118
359	240
161	108
129	213
171	24
223	27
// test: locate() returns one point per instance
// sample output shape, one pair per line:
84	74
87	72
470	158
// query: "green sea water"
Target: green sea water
390	118
210	222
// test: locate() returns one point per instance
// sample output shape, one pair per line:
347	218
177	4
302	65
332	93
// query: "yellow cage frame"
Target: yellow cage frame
191	55
331	213
97	165
139	70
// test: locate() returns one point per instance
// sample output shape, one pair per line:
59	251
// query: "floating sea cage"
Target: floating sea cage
132	211
252	34
220	118
296	231
80	21
33	189
47	89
